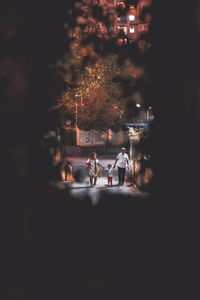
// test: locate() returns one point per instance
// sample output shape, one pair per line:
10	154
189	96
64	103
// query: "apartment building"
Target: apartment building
123	18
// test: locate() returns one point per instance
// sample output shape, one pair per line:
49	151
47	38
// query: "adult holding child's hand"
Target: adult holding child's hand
93	165
122	161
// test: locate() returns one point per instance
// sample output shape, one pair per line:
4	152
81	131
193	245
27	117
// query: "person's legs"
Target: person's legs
95	180
91	180
120	175
109	180
123	175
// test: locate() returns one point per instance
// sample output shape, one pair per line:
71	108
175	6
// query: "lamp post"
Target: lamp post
76	113
134	137
76	123
148	115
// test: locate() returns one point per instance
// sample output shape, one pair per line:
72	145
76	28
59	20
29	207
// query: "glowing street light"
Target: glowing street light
68	122
138	105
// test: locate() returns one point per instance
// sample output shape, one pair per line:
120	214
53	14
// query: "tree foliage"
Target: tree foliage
95	88
104	79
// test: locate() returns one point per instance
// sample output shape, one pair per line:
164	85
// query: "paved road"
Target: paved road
80	186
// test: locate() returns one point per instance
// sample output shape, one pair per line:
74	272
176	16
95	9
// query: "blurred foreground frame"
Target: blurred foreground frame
53	244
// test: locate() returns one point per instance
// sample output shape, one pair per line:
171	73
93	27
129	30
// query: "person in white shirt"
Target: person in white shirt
122	161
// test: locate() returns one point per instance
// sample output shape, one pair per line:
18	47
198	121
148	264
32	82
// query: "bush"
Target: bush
68	137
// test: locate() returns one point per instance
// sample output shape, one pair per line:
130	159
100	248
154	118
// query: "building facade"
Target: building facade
121	19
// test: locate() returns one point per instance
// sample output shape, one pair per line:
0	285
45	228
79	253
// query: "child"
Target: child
109	174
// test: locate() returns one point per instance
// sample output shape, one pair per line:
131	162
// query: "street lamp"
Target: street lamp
134	137
68	122
76	121
76	116
148	114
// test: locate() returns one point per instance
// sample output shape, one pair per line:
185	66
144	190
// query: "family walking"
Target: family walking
93	167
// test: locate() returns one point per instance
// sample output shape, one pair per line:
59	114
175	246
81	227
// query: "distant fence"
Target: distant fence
96	137
91	137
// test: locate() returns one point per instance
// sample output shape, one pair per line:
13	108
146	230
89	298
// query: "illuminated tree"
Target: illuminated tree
95	88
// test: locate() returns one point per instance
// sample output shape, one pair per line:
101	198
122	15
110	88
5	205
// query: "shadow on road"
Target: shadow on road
79	187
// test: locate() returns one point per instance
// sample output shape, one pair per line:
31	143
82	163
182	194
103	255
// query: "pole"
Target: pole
147	117
132	155
76	125
76	116
132	158
133	163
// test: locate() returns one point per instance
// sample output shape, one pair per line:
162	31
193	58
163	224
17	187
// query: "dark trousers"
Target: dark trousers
91	180
121	175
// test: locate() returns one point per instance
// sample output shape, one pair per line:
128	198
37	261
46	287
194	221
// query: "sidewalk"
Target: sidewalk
82	190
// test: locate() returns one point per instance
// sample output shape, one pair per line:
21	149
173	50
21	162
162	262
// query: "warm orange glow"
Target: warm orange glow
148	175
121	4
63	175
132	10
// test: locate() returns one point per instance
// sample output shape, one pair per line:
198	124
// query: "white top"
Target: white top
92	166
109	172
122	160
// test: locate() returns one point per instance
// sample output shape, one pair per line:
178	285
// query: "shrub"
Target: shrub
68	137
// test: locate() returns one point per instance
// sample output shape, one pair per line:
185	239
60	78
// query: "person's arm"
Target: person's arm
127	160
128	163
100	165
115	162
88	164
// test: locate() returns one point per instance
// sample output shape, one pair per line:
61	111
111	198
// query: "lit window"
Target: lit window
131	17
132	29
121	4
124	29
